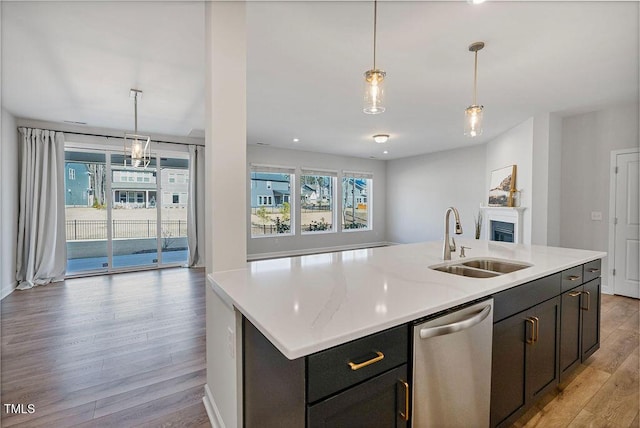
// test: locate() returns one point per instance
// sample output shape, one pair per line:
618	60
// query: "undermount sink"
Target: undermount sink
495	266
461	270
481	268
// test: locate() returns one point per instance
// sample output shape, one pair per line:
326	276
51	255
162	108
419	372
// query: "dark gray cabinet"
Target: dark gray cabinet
542	330
590	318
580	317
525	360
362	383
382	402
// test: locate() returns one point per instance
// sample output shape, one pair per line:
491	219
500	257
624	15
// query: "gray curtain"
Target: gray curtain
195	206
42	253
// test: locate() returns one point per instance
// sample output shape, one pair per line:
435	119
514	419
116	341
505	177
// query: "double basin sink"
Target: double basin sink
481	268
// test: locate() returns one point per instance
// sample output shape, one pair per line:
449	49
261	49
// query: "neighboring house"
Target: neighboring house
78	192
175	188
133	189
269	189
359	197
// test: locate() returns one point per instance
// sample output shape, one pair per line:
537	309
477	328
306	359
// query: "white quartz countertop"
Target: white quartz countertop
310	303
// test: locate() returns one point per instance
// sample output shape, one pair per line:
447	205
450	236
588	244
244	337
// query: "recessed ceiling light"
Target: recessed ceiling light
295	140
475	1
381	138
386	152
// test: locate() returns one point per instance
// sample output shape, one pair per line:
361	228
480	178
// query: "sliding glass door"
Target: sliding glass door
174	181
123	218
85	175
134	214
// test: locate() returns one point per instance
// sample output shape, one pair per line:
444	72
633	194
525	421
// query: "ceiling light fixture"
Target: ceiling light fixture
385	152
136	147
473	113
475	1
374	78
381	138
295	140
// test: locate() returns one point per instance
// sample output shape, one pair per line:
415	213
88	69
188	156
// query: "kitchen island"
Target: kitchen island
308	304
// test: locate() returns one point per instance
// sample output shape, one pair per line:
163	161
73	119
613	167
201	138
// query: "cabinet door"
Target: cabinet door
381	402
570	346
590	318
508	367
542	357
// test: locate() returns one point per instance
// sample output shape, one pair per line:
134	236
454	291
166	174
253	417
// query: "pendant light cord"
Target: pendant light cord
135	113
375	23
475	78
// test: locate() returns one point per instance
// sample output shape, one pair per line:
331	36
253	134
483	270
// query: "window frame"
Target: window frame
333	176
368	176
267	201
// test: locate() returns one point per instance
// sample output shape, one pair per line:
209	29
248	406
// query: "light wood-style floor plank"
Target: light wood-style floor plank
120	350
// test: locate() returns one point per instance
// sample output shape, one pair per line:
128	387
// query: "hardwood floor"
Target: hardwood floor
129	350
604	391
122	350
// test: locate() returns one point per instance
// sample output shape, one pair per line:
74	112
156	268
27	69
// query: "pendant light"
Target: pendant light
374	78
473	113
136	147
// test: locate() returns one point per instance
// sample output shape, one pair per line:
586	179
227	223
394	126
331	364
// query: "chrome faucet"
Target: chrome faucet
448	247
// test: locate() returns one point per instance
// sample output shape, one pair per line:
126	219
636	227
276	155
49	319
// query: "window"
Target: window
356	200
270	201
172	178
72	174
317	201
176	198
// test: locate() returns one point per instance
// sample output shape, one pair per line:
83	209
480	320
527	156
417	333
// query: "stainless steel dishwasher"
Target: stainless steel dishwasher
452	368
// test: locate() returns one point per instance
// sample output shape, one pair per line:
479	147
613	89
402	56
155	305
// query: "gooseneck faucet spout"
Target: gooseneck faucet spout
447	246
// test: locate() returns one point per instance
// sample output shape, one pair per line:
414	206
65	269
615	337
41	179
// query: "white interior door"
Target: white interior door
627	242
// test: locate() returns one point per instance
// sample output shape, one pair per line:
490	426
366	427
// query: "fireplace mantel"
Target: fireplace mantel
505	214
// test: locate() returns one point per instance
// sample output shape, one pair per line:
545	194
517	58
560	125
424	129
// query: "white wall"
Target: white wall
587	142
545	164
297	244
10	199
555	177
421	188
515	147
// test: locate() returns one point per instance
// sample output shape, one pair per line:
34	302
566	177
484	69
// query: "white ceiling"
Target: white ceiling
77	61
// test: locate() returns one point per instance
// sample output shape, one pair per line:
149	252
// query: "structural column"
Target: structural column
225	201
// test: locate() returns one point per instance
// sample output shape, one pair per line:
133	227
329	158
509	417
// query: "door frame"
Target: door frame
610	287
158	151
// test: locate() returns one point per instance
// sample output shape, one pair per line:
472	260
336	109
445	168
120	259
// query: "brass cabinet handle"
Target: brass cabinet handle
588	301
405	415
533	326
573	277
537	330
594	270
575	293
355	366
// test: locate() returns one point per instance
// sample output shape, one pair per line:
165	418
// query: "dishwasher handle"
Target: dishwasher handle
454	327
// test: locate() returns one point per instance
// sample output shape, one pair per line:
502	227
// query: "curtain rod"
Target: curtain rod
111	136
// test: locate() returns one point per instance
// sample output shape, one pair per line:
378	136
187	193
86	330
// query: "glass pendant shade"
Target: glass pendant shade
374	91
473	121
136	147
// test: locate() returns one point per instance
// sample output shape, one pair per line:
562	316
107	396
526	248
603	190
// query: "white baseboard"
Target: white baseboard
212	410
8	290
292	253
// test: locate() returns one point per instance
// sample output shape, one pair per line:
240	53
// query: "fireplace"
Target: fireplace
502	231
503	224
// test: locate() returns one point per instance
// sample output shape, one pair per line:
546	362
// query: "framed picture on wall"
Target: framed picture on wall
503	184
